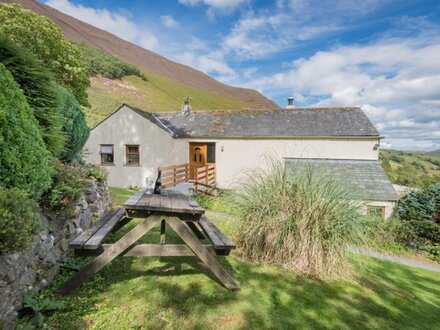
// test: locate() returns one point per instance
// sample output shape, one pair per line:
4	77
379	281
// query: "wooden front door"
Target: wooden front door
198	157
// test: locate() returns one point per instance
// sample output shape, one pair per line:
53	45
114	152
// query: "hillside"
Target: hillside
208	91
411	169
106	95
435	153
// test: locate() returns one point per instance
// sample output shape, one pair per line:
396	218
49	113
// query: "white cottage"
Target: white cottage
131	143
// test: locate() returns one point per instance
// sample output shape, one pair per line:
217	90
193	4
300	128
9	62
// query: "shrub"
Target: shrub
421	211
97	173
40	90
109	66
44	39
433	252
74	127
68	184
24	160
19	220
304	221
416	205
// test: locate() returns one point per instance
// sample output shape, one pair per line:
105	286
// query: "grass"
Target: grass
301	219
157	94
153	293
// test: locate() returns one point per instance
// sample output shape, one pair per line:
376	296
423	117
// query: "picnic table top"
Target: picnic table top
168	202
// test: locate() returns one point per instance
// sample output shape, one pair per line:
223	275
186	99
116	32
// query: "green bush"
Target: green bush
68	184
97	173
433	252
109	66
40	90
390	236
19	220
416	205
24	160
75	127
304	222
420	210
44	39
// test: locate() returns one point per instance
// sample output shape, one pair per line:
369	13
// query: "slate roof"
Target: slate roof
298	122
365	178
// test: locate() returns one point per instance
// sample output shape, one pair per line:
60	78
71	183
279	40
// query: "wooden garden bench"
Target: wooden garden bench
222	244
92	238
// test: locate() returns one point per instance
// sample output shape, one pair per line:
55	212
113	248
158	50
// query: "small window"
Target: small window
211	152
107	154
132	154
376	211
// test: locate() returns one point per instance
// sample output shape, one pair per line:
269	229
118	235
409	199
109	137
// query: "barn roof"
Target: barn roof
298	122
365	178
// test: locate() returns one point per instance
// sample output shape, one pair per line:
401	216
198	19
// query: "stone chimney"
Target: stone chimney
186	108
290	103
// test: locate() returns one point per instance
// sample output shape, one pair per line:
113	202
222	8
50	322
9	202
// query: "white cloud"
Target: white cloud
113	22
189	3
261	33
169	22
210	63
396	81
217	4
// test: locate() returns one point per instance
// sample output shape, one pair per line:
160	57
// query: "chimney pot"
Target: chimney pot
186	108
290	103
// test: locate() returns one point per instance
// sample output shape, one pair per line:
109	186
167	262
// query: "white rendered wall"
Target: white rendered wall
128	127
240	155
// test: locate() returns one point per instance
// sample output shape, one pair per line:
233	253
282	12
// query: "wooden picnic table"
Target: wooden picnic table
179	211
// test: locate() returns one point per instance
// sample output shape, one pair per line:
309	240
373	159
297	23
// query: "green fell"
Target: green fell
157	93
411	169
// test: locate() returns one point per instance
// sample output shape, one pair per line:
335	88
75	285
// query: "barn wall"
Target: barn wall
128	127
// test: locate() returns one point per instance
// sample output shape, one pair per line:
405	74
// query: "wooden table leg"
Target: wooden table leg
162	232
108	255
195	230
182	229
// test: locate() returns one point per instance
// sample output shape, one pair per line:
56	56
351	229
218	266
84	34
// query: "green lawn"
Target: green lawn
153	293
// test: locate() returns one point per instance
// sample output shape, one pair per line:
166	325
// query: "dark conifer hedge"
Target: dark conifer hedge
24	159
40	90
75	126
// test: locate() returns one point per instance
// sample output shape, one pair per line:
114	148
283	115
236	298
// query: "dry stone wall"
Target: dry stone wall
33	269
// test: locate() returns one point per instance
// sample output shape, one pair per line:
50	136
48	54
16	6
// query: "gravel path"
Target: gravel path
432	266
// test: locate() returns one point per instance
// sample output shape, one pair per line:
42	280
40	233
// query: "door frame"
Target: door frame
192	167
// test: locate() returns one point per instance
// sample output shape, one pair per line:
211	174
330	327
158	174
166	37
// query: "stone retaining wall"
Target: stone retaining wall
35	268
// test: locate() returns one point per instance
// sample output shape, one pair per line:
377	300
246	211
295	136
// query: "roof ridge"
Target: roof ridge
324	108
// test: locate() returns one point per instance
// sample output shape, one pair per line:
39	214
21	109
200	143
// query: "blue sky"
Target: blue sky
379	54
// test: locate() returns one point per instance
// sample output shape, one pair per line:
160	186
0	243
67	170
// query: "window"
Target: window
376	211
132	154
211	152
107	154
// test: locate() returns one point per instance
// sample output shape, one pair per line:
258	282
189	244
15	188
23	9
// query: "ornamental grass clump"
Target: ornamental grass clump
303	221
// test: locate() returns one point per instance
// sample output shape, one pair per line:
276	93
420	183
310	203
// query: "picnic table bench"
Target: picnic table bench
179	211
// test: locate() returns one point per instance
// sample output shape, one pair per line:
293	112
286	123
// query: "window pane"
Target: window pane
211	153
133	159
133	149
107	149
107	158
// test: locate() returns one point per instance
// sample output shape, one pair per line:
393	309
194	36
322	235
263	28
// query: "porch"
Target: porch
189	179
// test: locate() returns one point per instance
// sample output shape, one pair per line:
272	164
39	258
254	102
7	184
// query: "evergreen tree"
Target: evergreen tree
40	90
24	159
